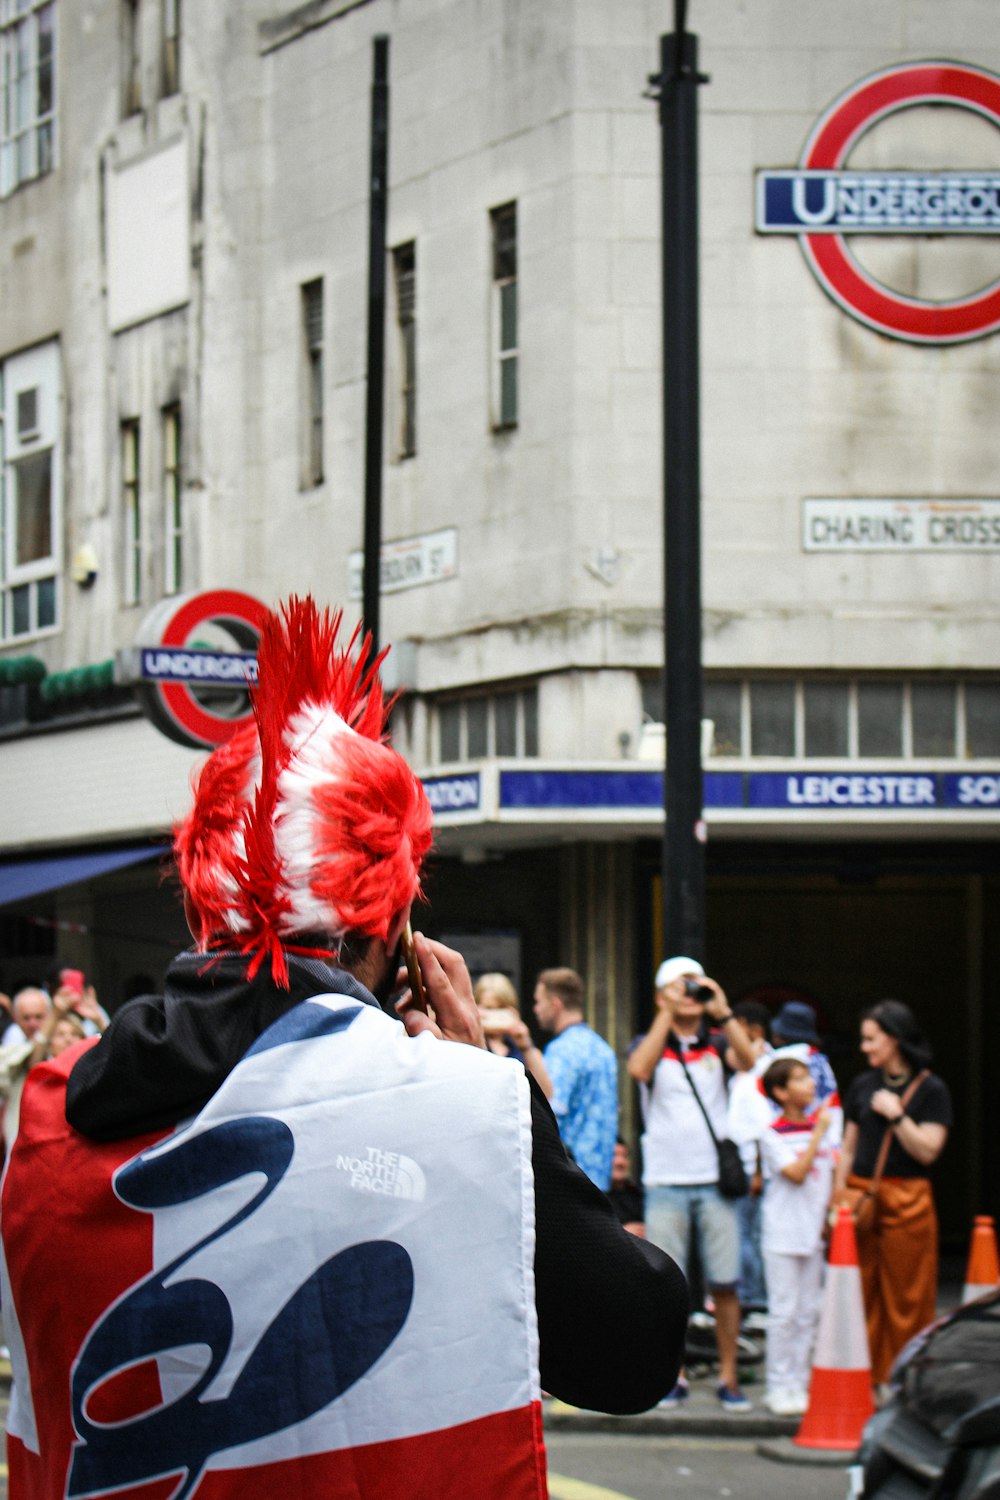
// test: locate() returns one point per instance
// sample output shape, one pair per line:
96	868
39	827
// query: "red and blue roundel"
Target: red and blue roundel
822	202
198	697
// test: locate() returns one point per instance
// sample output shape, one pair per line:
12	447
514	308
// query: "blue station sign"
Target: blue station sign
805	202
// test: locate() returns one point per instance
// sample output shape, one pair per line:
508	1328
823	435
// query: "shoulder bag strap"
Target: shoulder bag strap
883	1151
687	1075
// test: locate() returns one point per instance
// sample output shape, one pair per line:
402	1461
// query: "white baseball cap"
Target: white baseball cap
673	968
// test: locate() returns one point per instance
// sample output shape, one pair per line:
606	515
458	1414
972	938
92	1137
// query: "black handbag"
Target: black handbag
733	1180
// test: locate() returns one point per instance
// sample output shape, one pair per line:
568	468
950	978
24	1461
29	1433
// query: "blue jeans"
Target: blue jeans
753	1292
673	1212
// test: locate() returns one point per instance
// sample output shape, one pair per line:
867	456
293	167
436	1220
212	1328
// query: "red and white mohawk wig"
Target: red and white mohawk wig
306	822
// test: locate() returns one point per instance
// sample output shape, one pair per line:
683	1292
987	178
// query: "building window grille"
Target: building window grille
170	49
173	483
27	91
404	259
131	57
312	323
482	725
29	491
849	718
504	229
132	509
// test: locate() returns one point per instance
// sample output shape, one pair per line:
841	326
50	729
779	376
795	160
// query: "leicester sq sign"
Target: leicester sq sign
193	664
823	202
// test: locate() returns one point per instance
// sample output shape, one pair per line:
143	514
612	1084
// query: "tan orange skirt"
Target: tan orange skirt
899	1267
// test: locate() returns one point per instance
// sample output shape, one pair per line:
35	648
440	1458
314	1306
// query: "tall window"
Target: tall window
132	510
170	48
504	225
27	91
29	490
312	322
173	515
131	57
404	260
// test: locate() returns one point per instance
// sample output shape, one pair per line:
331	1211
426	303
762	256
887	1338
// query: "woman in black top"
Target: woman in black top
899	1254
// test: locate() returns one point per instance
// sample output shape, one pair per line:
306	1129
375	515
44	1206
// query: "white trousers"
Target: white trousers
794	1288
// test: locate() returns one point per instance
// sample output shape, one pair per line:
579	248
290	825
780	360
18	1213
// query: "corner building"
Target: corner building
183	243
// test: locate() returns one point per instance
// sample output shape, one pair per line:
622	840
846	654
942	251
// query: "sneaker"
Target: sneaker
731	1398
801	1400
783	1403
755	1322
674	1398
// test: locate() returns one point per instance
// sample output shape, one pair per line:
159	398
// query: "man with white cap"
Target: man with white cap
680	1064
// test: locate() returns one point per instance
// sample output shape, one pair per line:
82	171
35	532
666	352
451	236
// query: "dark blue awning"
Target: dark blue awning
21	878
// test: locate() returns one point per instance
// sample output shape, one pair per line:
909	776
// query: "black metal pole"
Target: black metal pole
377	213
683	832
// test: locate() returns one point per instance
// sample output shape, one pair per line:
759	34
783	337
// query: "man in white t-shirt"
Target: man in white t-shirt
692	1038
798	1167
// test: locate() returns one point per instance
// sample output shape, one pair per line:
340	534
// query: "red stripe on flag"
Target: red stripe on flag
501	1457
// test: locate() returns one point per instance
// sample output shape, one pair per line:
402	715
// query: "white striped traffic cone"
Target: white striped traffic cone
840	1391
983	1270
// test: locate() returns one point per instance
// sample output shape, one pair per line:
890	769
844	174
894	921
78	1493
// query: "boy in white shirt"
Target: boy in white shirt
798	1170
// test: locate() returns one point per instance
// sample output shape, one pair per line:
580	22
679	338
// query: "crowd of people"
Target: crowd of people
711	1074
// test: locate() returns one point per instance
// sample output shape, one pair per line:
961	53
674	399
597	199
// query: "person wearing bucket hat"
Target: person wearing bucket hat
680	1065
794	1034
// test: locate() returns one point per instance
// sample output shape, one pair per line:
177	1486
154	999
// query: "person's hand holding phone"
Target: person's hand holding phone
452	1012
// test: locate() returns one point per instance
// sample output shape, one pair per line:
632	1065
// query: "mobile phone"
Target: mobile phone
72	979
496	1022
413	970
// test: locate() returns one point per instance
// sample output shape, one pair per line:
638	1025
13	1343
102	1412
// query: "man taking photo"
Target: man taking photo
680	1064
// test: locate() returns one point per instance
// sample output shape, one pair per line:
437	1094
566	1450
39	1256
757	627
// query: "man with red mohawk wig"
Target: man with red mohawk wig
322	1246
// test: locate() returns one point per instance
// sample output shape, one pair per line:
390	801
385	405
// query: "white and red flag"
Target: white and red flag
320	1288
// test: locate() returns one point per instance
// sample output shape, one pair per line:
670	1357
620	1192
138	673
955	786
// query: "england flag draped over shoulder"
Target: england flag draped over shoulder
320	1287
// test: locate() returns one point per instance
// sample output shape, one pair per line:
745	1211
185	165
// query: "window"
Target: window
170	48
132	510
404	261
489	724
29	490
173	514
932	710
722	703
312	323
504	226
982	719
880	718
825	707
772	718
27	91
131	57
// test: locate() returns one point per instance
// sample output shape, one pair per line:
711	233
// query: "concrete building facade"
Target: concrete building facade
183	251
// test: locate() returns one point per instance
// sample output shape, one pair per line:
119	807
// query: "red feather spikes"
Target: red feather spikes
333	802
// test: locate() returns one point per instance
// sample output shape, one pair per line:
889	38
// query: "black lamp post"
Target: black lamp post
684	828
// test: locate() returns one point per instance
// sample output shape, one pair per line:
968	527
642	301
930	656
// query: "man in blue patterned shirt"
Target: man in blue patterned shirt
584	1074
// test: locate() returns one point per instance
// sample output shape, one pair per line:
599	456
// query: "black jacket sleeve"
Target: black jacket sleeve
612	1309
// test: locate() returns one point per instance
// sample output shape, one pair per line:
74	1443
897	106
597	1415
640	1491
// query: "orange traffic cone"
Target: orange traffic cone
840	1392
983	1271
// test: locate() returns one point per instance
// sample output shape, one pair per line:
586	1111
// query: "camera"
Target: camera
700	992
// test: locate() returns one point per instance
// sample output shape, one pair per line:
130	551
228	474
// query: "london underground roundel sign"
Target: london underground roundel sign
823	202
194	663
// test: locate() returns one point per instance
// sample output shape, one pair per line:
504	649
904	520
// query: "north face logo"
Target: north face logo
385	1172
